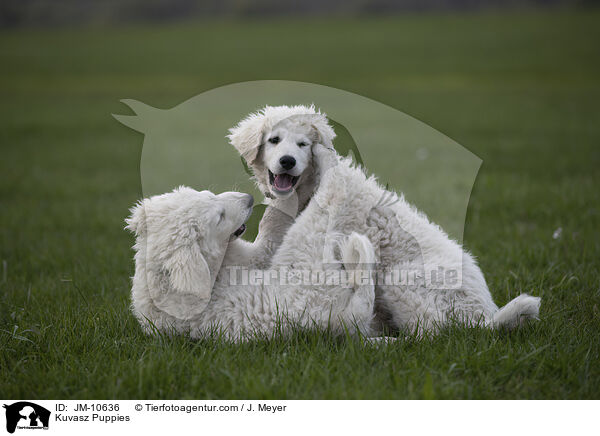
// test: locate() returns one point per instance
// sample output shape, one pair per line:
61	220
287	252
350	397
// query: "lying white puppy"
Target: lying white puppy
185	241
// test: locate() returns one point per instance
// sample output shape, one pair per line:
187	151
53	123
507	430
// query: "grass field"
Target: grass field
519	90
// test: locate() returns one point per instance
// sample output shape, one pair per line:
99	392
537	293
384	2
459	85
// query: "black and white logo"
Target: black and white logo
26	415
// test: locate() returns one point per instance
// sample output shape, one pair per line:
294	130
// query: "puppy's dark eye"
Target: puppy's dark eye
221	216
302	144
274	140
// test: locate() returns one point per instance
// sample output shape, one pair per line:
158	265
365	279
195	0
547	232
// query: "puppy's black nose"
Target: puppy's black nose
287	162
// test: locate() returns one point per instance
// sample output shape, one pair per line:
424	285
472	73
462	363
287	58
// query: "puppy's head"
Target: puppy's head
182	237
277	143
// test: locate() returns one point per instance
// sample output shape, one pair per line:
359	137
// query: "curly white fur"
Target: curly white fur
184	243
249	138
405	240
347	201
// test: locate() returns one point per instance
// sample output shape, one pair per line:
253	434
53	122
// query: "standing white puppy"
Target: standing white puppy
278	144
412	252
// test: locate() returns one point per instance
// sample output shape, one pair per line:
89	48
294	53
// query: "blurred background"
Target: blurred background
489	74
515	82
61	12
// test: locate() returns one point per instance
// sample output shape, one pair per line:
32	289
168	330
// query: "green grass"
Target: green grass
519	90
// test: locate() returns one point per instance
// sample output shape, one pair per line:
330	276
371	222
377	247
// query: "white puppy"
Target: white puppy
181	241
182	282
425	280
278	144
404	238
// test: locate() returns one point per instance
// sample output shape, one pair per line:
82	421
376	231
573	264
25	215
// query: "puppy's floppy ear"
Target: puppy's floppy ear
325	132
247	136
190	284
136	222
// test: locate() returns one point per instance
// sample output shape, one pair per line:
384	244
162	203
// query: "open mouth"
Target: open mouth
283	183
240	231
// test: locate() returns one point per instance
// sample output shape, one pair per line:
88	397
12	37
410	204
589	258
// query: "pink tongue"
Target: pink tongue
283	182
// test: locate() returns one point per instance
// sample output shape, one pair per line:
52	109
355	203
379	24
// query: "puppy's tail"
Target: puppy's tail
358	258
517	312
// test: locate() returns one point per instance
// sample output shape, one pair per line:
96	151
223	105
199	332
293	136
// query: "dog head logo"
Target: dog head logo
187	145
26	415
191	144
